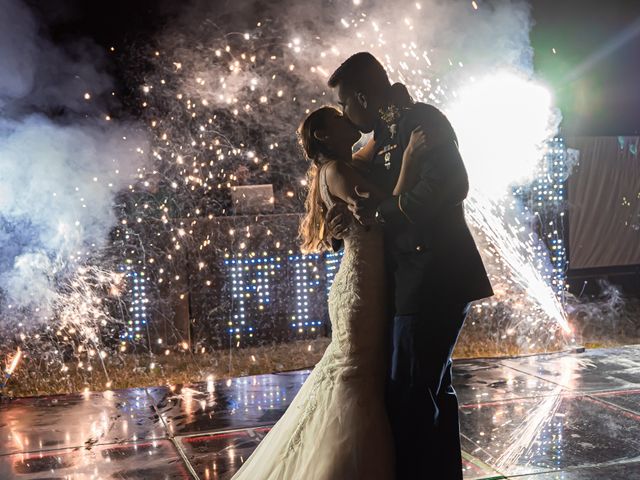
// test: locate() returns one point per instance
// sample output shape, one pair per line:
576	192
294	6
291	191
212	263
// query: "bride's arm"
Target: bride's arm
408	171
342	180
365	154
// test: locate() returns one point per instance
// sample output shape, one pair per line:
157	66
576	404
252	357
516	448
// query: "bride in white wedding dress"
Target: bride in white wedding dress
336	427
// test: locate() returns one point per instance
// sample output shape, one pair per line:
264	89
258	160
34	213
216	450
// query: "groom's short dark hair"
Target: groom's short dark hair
359	71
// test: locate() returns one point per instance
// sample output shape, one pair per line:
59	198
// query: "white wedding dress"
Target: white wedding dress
336	428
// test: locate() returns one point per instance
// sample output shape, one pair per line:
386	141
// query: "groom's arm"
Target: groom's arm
443	180
337	222
336	244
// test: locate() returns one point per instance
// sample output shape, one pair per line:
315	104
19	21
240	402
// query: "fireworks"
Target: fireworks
11	368
221	110
227	120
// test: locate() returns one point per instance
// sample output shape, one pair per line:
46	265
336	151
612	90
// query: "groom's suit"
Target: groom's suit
435	270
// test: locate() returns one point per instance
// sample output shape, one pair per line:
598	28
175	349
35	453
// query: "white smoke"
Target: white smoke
62	161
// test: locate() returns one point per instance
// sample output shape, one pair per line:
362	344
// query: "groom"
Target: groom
434	268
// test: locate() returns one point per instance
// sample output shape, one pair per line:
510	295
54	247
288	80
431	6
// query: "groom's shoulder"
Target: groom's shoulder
427	116
421	112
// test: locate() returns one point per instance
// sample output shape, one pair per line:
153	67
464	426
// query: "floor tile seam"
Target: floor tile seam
628	411
500	358
569	389
508	400
171	437
158	413
564	393
483	465
462	435
570	350
537	376
185	458
573	468
139	441
632	391
35	452
214	432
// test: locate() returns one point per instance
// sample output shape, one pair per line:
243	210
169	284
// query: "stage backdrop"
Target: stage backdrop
604	202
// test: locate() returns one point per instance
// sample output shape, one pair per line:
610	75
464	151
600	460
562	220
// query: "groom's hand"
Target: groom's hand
362	206
338	220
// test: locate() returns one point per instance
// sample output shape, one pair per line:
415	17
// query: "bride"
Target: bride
336	427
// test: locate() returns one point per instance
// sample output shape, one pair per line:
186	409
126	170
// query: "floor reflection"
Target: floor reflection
136	461
550	417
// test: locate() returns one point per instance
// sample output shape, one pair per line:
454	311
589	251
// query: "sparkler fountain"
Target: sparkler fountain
11	368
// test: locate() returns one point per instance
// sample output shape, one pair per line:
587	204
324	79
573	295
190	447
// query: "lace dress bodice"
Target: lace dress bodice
361	273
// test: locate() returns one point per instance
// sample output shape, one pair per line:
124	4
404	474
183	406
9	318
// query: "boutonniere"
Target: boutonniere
390	115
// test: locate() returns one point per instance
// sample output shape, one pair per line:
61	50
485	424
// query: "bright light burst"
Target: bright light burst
503	121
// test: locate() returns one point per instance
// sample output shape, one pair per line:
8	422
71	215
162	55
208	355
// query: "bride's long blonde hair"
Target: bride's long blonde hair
312	230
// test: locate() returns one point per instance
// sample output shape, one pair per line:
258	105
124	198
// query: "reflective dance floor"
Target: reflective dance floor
559	416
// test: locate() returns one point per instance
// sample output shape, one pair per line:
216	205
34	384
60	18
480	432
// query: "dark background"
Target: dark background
595	75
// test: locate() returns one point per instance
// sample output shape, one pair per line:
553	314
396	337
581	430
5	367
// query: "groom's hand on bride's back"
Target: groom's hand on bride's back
362	206
338	220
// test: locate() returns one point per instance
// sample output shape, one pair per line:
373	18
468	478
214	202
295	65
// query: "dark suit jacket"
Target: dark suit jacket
430	252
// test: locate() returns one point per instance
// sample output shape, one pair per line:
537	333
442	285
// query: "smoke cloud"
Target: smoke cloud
62	161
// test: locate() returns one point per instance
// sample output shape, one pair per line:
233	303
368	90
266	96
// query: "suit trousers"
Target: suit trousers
421	400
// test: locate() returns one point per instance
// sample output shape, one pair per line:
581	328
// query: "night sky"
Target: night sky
603	99
600	97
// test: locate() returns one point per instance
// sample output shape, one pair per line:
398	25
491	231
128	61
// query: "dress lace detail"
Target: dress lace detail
336	427
312	402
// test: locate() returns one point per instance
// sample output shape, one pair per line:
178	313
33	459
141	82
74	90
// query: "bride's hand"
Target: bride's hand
417	147
415	150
